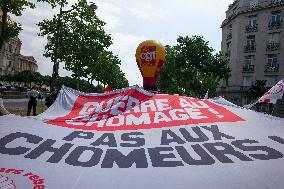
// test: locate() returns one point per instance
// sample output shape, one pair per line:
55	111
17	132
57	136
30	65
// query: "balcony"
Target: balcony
253	7
229	36
276	2
249	48
274	25
272	68
250	28
273	46
248	68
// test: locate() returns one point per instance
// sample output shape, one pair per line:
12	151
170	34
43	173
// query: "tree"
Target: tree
28	76
46	80
81	37
191	68
85	86
257	90
11	29
106	69
8	78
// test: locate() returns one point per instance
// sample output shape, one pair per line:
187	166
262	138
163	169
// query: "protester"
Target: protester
33	94
50	99
3	110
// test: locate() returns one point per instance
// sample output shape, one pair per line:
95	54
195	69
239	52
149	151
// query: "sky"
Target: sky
130	22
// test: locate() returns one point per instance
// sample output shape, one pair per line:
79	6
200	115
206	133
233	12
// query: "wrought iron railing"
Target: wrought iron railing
250	28
249	48
273	46
272	68
248	68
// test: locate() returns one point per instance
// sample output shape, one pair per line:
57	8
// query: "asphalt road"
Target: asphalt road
18	103
15	103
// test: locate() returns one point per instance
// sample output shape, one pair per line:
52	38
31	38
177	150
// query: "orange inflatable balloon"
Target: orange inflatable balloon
150	58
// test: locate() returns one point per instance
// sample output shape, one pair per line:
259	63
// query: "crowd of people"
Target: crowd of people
35	95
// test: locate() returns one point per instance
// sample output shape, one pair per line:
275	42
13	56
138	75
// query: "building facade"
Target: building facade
253	41
12	61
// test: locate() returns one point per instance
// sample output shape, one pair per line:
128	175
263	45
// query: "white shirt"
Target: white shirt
33	93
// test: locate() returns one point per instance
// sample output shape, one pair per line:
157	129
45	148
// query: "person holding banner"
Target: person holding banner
33	94
50	99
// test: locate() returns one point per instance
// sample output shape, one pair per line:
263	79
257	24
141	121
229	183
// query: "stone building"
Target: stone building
12	61
253	41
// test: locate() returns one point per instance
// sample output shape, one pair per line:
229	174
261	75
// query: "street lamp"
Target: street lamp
57	38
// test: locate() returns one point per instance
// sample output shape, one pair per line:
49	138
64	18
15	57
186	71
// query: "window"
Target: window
272	60
276	17
273	37
251	42
247	81
271	81
252	21
248	64
228	49
250	46
273	42
229	32
248	60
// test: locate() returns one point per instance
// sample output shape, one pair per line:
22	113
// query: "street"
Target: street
18	103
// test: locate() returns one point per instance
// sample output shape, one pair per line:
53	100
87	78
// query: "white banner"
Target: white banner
134	139
275	93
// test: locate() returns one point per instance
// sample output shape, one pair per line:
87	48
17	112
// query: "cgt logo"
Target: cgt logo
148	56
134	110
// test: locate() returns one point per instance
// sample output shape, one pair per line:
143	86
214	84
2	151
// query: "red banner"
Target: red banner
132	110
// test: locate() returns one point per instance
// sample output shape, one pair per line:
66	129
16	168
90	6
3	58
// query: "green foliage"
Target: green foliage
76	37
25	77
257	90
85	86
15	7
12	30
191	68
9	78
106	70
28	77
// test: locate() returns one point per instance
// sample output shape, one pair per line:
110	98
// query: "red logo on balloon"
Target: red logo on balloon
148	56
